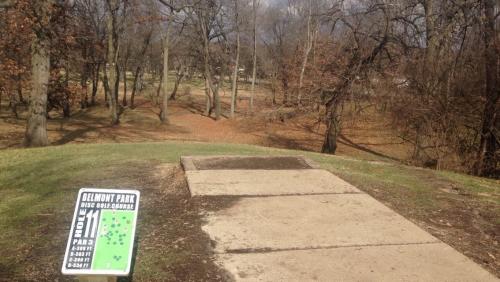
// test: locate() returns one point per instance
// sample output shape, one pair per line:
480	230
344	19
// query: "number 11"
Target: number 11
92	217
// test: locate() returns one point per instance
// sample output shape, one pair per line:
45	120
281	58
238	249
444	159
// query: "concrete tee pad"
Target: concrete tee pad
265	182
315	221
291	221
425	262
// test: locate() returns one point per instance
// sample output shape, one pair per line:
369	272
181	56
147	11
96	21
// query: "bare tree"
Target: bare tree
359	63
165	94
236	60
112	71
140	62
312	29
255	4
205	13
36	129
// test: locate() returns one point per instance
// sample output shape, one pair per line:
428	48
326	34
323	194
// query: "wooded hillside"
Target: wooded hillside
430	67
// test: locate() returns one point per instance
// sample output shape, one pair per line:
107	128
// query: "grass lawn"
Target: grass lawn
38	188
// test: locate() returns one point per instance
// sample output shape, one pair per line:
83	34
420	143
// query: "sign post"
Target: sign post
101	238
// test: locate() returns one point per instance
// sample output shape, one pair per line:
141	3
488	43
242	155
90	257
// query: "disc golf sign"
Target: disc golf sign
102	233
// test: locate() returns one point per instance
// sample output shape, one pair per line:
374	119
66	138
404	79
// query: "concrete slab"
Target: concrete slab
265	182
315	221
427	262
306	224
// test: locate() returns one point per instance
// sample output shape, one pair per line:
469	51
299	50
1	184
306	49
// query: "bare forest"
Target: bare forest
430	69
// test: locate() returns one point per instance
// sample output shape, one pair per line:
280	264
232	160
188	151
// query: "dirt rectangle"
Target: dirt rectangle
266	163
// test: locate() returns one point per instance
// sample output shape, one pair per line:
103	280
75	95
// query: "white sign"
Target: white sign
102	233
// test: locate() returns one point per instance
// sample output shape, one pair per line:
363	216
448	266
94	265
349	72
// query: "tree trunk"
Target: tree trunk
206	62
113	72
254	63
66	101
164	100
158	90
178	78
217	101
85	85
236	63
95	84
486	161
124	72
208	108
88	91
430	62
284	85
134	86
13	103
138	70
417	144
430	29
209	86
308	46
19	81
36	129
84	77
332	129
105	83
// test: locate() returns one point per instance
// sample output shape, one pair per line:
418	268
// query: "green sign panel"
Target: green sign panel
102	234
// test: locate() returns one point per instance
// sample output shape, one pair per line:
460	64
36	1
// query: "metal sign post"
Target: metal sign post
101	238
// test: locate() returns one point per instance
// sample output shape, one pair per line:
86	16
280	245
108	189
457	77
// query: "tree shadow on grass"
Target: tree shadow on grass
348	142
287	143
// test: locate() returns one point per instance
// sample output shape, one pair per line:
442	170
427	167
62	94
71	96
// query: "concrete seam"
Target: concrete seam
271	250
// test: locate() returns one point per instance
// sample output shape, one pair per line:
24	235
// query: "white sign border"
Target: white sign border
66	271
